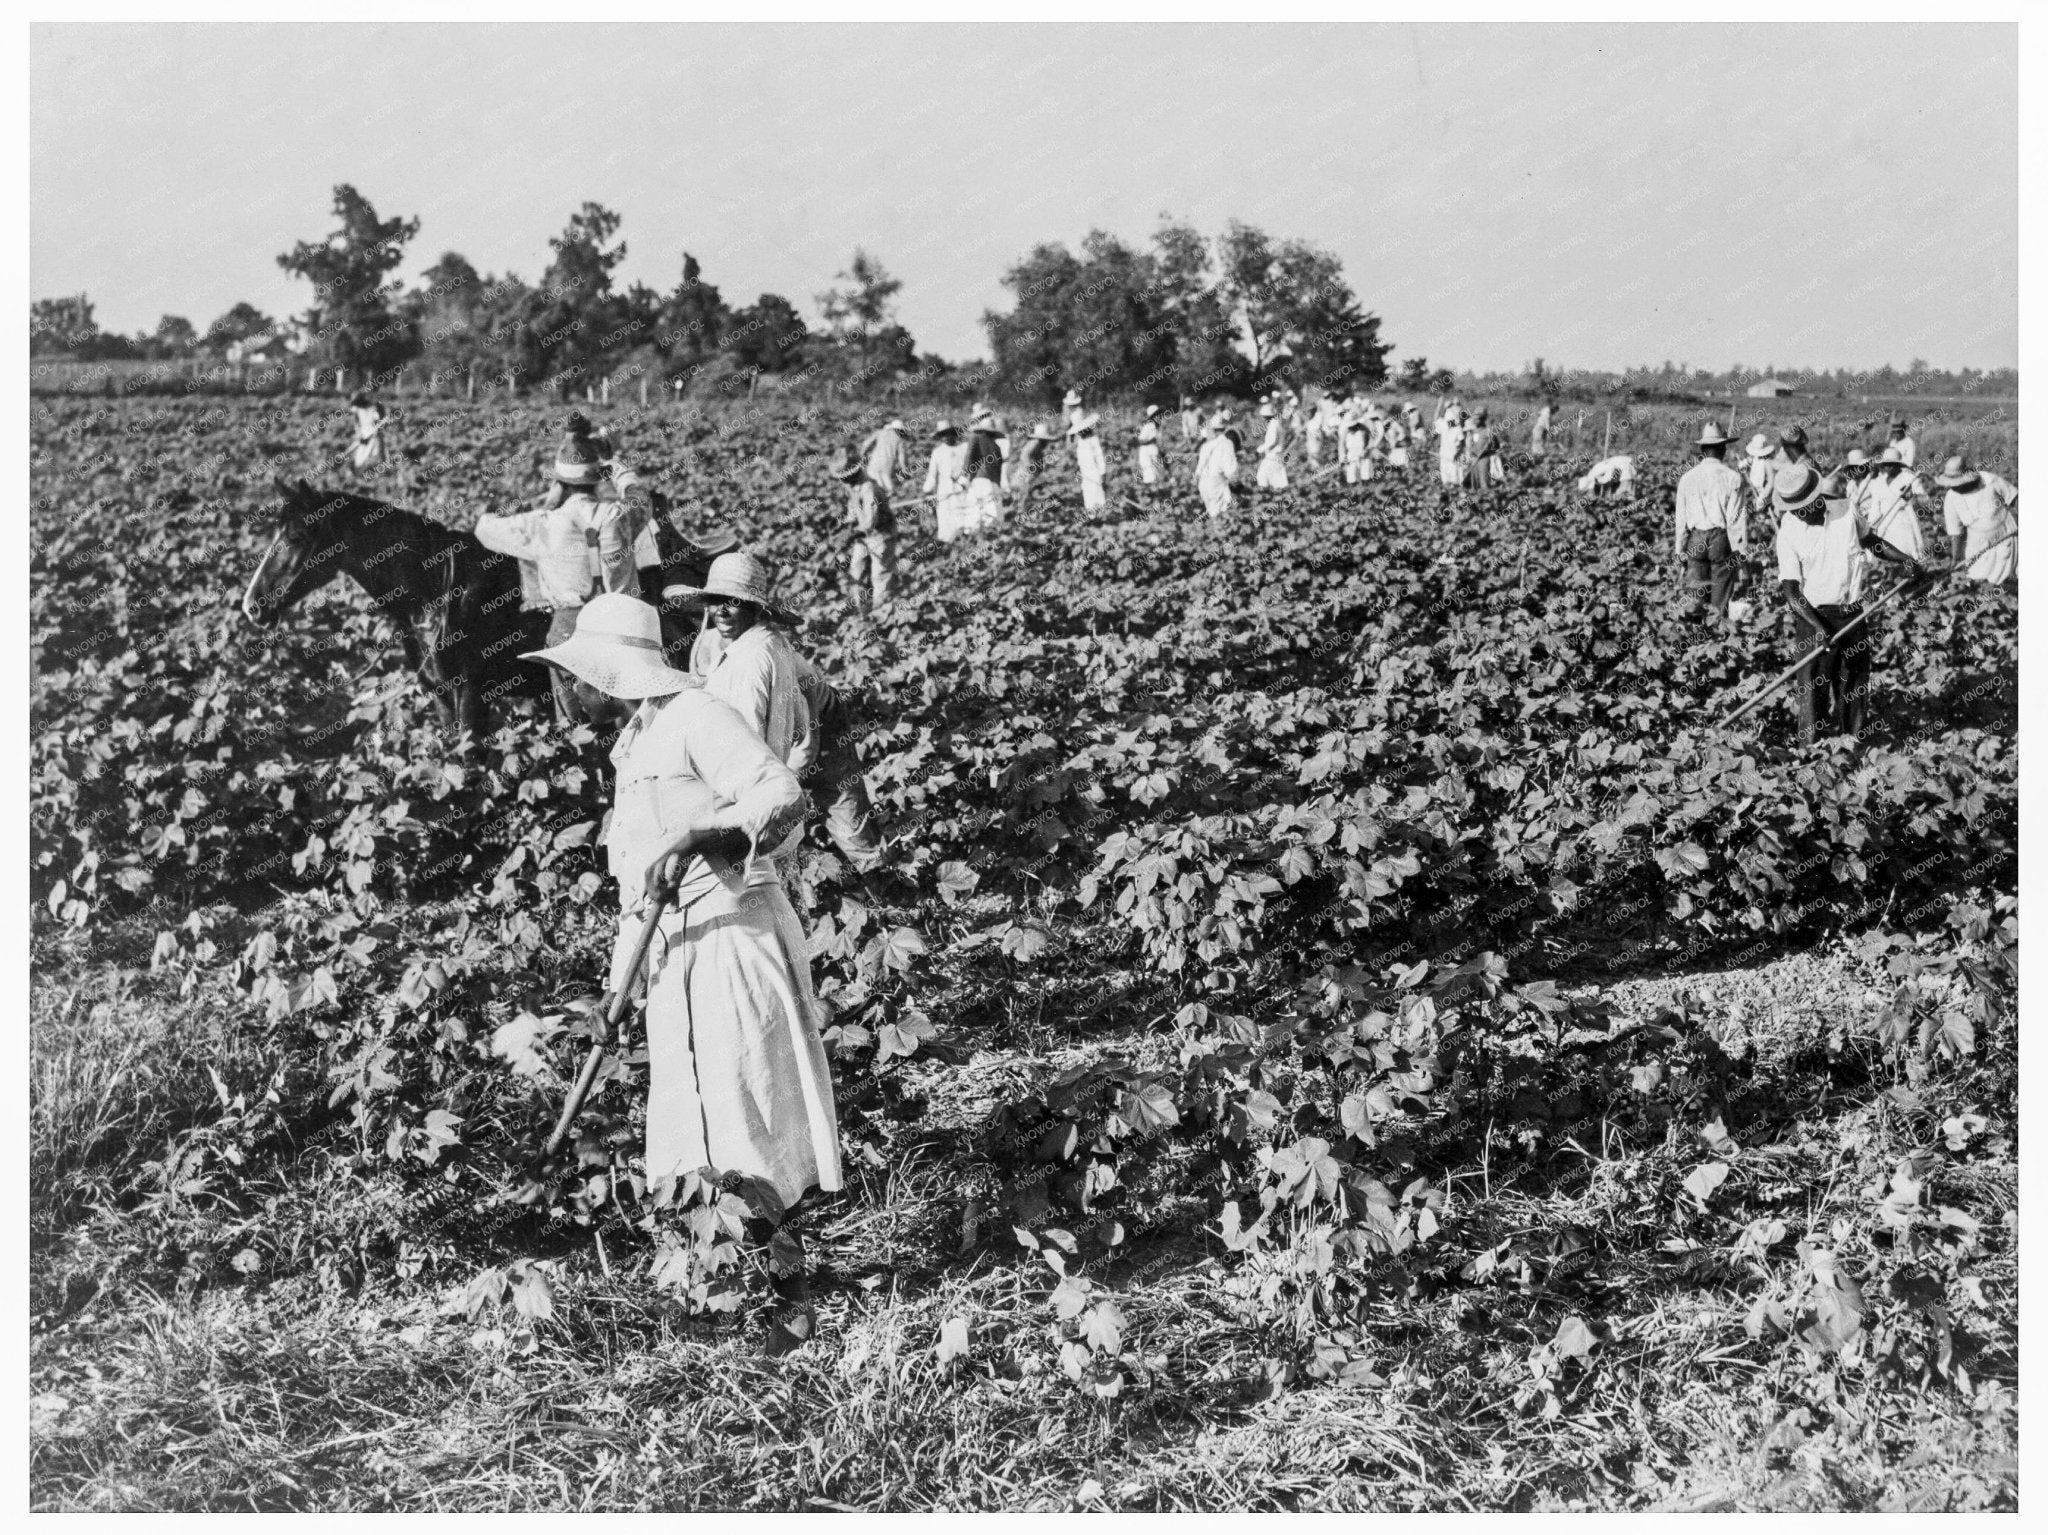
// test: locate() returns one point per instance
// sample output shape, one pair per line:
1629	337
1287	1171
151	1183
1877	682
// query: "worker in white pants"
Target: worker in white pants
1272	466
1216	469
1089	459
1148	447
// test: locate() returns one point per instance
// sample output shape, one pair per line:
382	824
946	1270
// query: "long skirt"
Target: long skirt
1272	472
984	506
1216	497
737	1076
953	516
1148	462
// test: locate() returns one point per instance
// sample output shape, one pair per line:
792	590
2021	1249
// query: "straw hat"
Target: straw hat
1898	420
1760	446
617	650
1856	459
1956	474
1793	436
1891	458
1151	411
1042	433
576	461
1798	486
742	576
983	420
1266	410
1713	436
1073	397
944	429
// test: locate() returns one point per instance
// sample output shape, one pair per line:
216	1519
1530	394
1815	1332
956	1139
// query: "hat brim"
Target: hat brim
1955	481
614	670
696	595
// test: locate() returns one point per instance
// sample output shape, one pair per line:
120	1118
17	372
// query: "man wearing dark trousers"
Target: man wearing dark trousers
1820	571
1713	524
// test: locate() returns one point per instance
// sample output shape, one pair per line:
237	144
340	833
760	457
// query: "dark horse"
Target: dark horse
454	603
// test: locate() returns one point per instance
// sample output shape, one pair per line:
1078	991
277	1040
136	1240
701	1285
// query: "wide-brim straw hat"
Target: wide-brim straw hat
1956	474
1073	397
1151	410
1792	434
1891	458
944	429
1042	433
1712	436
617	650
743	576
1760	446
1856	458
1798	486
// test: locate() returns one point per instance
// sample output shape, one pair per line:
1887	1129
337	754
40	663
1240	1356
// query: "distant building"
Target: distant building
1771	389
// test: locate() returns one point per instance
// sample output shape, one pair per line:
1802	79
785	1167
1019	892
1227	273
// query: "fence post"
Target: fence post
472	378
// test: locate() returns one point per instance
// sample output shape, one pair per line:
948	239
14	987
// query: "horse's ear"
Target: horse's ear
283	489
306	490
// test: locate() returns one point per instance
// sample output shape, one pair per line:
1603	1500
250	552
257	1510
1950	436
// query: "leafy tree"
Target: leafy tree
1029	345
1415	373
57	325
1205	358
692	321
352	317
245	322
862	307
1290	298
575	323
174	336
768	335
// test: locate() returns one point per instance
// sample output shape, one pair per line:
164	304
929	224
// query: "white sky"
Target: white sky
1598	195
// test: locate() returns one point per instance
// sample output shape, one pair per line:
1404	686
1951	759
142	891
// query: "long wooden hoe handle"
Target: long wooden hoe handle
573	1104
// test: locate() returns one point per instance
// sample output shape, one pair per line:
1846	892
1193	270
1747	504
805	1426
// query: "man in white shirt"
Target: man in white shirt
1821	541
1712	524
1539	433
578	547
1909	451
888	455
1979	514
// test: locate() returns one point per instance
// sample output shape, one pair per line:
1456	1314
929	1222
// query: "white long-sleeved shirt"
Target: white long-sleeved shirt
1888	511
558	541
1709	497
945	475
1217	461
1275	438
1909	451
1825	558
1986	515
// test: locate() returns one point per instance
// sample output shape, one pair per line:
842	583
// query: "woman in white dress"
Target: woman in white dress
738	1082
945	481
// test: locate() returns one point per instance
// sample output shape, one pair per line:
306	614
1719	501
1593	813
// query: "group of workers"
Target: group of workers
1832	530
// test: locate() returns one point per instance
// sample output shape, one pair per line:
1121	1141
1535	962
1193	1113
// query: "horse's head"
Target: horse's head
304	556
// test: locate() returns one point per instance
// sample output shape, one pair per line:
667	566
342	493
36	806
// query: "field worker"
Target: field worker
744	660
1070	406
1475	447
1979	510
1888	509
738	1081
1539	433
1909	451
945	481
1712	525
1610	478
1216	469
1313	426
1450	432
662	553
1821	540
1356	444
1760	469
1395	437
1003	447
1089	459
827	762
983	467
1792	452
578	547
1030	465
1148	447
1272	473
888	456
1190	419
369	451
873	561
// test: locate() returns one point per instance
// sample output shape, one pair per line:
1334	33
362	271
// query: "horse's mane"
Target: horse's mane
433	537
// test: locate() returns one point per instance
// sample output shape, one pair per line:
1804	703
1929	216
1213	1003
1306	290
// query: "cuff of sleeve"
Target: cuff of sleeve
623	477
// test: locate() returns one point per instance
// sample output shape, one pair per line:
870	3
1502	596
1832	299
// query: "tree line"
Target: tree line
1183	314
